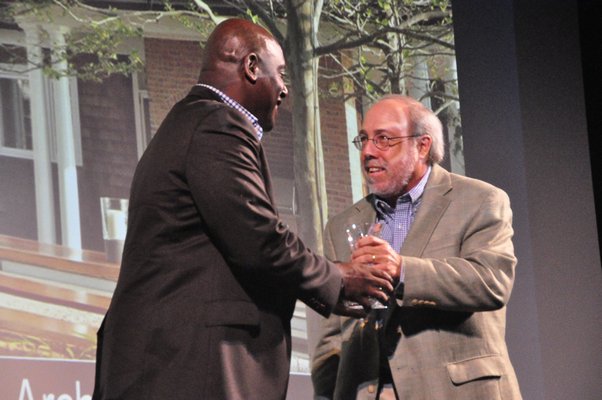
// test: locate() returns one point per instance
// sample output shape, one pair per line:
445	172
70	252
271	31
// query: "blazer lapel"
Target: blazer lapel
434	204
365	212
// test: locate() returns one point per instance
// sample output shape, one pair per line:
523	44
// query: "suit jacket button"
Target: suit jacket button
371	388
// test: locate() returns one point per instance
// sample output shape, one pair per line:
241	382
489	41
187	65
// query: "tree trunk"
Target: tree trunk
308	162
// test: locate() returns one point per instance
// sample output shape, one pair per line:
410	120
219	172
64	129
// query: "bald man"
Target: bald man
210	274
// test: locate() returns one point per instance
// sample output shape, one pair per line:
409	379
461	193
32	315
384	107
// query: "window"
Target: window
143	123
15	116
142	112
16	131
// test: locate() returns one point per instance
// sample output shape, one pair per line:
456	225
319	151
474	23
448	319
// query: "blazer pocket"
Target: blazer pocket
485	367
228	312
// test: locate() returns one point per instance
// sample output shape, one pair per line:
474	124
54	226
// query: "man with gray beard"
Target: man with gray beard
447	242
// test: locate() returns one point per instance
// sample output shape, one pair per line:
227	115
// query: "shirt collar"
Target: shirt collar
237	106
412	196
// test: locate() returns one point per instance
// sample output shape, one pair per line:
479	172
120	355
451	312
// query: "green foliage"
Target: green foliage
96	40
385	38
101	42
442	4
189	17
91	50
252	16
391	37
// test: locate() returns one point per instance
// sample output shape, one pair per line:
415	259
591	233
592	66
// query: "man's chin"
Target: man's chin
376	191
267	126
383	193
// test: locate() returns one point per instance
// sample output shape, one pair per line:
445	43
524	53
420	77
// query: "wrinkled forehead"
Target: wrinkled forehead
386	116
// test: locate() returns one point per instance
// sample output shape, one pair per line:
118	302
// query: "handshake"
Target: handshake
362	283
374	269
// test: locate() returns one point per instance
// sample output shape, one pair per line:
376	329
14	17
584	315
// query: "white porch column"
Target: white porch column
66	156
46	224
355	167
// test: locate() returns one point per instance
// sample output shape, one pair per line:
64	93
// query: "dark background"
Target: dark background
530	94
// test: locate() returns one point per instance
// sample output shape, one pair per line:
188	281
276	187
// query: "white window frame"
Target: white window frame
17	71
11	71
143	130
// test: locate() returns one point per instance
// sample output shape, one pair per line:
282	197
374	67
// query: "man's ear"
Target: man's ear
424	146
251	66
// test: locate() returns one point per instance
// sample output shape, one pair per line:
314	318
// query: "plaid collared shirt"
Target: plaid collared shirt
396	222
236	105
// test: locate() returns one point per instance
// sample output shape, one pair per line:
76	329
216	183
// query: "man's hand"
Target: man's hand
362	282
371	249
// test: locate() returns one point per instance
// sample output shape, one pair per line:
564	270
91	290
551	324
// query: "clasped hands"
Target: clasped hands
372	273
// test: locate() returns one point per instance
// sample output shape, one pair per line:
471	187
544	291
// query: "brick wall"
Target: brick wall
172	67
334	141
108	149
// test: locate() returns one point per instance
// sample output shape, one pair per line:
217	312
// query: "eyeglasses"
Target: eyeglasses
381	141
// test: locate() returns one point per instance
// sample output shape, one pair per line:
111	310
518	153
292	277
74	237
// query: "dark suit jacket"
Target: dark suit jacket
445	332
210	274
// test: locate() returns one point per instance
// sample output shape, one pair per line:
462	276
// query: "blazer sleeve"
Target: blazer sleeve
228	185
471	269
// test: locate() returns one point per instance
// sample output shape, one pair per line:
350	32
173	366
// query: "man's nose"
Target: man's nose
284	92
369	148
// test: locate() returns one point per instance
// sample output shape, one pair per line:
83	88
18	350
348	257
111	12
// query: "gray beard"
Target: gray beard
404	172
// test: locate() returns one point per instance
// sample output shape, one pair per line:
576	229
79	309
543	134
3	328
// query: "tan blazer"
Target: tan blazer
446	329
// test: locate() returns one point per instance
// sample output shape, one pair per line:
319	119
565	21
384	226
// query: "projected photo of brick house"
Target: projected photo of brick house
69	143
